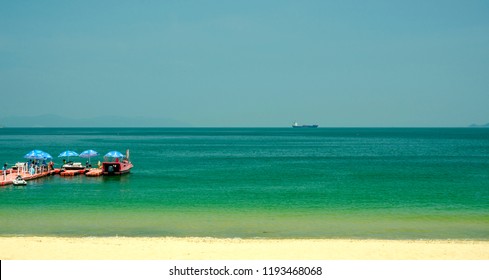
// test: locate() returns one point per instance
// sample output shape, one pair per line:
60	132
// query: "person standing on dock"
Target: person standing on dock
4	171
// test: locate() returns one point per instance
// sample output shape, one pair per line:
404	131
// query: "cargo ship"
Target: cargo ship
296	125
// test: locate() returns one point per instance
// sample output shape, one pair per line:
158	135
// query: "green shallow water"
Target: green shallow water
258	182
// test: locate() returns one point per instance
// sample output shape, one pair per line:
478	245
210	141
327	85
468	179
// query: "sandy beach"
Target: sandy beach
170	248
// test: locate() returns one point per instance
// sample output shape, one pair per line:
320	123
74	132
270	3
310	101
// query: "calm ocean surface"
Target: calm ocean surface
393	183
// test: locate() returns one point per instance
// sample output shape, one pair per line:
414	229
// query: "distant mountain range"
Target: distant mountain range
481	125
50	120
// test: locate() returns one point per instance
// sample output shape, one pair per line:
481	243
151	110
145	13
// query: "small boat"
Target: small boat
19	181
73	166
117	167
296	125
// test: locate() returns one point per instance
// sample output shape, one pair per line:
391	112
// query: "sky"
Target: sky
248	63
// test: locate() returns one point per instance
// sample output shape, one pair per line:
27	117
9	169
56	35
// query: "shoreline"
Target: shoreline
207	248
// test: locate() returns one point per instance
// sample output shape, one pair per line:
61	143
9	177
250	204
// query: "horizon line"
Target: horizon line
468	126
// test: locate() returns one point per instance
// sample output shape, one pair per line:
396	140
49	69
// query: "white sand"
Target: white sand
169	248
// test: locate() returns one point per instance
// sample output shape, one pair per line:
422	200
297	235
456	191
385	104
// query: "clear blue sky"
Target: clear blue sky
249	63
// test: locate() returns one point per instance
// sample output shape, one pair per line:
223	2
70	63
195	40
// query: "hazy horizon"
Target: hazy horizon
54	121
247	63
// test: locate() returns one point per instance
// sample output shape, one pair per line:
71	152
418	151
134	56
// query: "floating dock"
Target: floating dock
12	174
69	173
94	172
120	165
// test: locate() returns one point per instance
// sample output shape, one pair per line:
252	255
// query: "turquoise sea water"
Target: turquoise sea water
394	183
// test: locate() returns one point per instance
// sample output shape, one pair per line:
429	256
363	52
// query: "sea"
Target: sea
358	183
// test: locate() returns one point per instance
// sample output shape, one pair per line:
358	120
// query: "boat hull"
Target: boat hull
305	126
73	166
116	168
19	183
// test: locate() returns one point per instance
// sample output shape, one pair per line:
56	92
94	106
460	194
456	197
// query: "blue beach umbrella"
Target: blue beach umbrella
36	154
88	154
114	154
68	154
46	155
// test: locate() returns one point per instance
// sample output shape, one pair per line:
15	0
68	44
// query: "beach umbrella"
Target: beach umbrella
114	154
36	154
68	154
46	155
88	154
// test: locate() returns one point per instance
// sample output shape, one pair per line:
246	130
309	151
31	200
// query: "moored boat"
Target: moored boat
19	181
116	166
73	166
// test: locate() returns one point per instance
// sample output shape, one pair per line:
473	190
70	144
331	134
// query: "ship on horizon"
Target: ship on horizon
296	125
